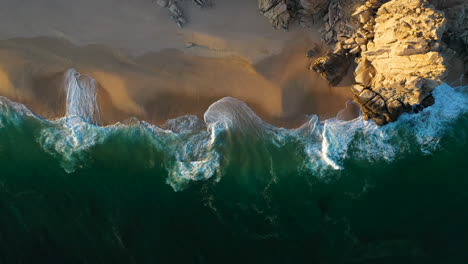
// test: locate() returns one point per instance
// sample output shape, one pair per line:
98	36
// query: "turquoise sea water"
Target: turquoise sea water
233	189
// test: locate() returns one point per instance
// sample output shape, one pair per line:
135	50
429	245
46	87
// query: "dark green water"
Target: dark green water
118	199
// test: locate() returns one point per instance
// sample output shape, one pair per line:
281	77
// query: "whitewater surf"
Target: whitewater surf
231	187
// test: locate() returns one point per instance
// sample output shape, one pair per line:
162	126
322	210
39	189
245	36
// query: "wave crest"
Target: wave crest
195	150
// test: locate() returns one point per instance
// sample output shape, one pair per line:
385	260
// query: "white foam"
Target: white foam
194	155
81	97
412	132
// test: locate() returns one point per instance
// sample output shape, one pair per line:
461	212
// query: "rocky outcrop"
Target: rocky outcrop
176	12
349	32
403	63
332	66
337	22
313	6
456	35
276	11
400	46
281	12
401	49
202	3
309	12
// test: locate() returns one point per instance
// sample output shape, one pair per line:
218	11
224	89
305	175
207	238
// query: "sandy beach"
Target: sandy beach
149	68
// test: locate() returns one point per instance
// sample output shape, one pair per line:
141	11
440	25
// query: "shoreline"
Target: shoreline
148	68
142	60
279	88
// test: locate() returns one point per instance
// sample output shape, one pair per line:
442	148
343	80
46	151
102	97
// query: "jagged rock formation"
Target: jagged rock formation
308	12
350	32
397	46
338	24
202	3
332	66
313	6
403	63
276	11
399	51
456	35
176	12
281	12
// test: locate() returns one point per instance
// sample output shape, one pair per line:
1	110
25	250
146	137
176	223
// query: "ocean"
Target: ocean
231	188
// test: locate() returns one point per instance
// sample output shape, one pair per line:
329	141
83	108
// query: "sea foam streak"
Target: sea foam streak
194	150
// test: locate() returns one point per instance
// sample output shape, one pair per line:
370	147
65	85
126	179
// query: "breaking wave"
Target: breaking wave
196	150
232	187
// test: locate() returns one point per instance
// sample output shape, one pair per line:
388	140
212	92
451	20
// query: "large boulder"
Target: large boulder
403	63
276	11
281	12
332	67
176	12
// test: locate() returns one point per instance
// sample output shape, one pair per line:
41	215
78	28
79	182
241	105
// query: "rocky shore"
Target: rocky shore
400	50
403	63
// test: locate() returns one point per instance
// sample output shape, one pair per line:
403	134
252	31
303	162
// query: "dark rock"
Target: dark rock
276	11
332	67
395	108
176	12
280	13
365	96
314	51
203	3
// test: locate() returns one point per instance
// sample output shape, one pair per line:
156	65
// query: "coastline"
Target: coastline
163	71
158	71
222	143
162	85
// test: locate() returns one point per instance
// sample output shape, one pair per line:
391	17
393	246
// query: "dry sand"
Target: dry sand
140	60
140	26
